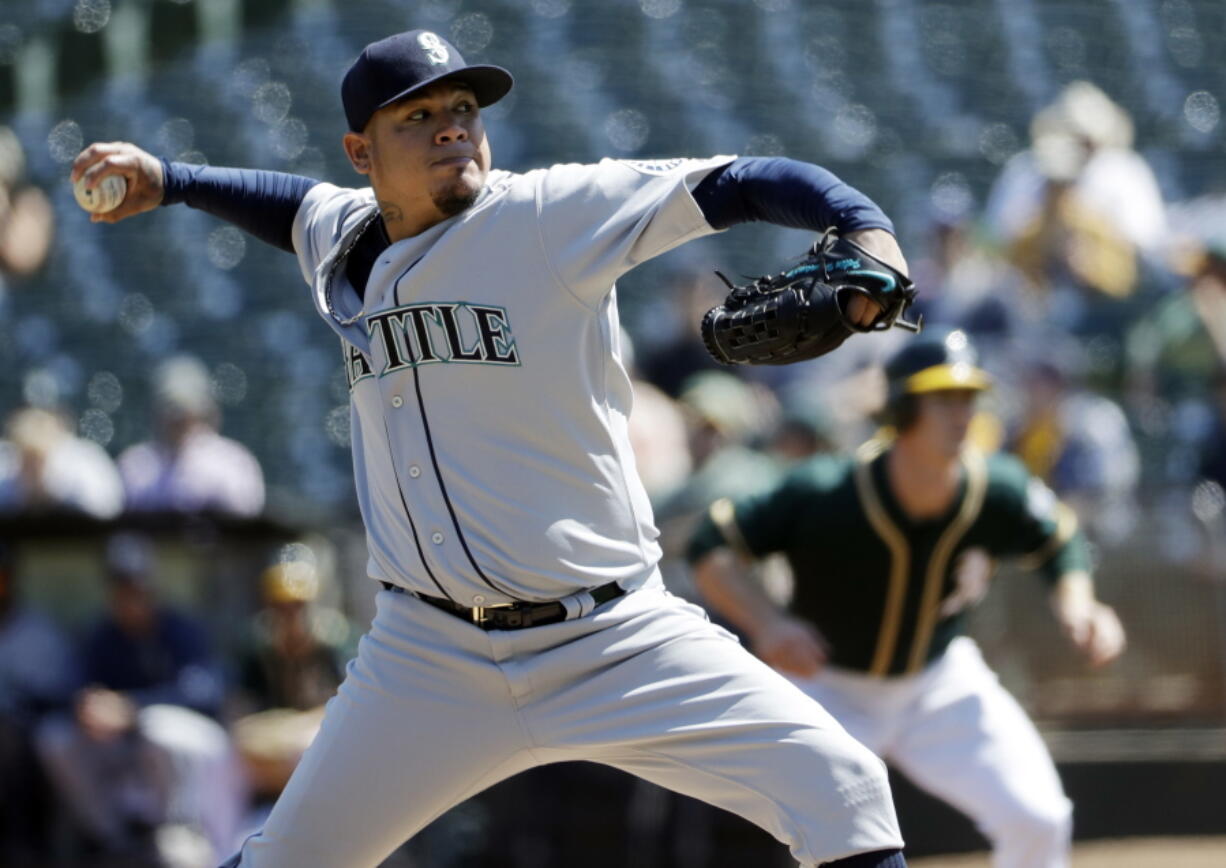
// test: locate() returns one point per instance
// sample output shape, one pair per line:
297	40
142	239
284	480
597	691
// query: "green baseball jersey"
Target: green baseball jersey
882	587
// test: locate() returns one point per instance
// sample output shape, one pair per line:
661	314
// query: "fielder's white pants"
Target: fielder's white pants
955	732
435	710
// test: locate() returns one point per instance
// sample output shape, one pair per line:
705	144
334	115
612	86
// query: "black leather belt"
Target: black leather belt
510	616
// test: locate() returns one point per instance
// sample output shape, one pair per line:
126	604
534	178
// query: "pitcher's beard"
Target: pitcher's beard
456	198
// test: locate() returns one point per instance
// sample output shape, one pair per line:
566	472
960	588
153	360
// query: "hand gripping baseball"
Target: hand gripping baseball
805	311
141	171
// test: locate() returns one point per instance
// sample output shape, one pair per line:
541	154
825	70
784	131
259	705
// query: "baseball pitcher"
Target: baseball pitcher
522	619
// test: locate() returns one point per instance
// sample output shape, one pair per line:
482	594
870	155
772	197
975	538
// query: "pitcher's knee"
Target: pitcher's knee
873	780
1037	828
847	807
849	772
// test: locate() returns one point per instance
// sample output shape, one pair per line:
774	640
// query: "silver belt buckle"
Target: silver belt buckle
479	612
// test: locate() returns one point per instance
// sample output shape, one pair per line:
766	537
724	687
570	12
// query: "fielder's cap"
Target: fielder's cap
935	361
394	68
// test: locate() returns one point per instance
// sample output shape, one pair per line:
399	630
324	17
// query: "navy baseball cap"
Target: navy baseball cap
391	69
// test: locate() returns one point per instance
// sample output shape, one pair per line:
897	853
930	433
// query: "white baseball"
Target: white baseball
105	197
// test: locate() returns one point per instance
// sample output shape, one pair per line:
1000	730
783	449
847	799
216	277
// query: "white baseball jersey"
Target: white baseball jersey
489	400
492	463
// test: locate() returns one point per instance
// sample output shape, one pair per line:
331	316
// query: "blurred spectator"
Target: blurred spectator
1080	215
1198	252
676	352
848	384
1208	294
802	432
659	439
1209	493
292	664
189	466
1068	245
723	416
1084	138
965	285
26	218
1081	445
36	677
657	432
138	761
1213	454
1175	349
45	467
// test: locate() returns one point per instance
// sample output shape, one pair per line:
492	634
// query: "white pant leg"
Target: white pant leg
866	707
969	742
675	699
422	721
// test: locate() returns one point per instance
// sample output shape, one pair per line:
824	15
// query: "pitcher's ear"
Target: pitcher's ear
357	148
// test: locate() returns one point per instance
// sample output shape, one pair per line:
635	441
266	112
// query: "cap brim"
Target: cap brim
959	375
489	84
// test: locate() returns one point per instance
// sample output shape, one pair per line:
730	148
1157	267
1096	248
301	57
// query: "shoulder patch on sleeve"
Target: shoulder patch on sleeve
653	167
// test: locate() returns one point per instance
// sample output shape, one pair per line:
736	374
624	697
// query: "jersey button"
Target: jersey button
397	401
436	538
414	471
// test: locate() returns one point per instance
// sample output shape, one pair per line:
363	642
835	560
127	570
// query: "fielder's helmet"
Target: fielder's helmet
934	361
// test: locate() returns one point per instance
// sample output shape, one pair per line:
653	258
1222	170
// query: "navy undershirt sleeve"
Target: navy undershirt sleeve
787	193
262	203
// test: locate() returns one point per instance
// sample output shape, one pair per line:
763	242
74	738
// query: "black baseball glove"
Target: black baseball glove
801	313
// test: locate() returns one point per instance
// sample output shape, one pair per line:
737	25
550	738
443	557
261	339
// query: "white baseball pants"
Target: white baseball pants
955	732
434	710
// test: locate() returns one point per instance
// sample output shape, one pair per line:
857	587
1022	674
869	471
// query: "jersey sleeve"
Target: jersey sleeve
758	525
599	221
1032	524
260	202
327	212
787	193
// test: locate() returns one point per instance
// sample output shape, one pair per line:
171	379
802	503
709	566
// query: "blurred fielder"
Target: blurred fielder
888	551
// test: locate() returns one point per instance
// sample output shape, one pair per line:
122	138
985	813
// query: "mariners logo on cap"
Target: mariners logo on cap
435	50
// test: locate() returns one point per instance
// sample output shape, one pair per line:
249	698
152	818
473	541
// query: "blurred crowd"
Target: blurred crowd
133	740
1099	309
